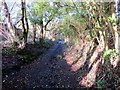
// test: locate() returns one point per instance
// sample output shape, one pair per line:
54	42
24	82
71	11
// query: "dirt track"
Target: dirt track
51	71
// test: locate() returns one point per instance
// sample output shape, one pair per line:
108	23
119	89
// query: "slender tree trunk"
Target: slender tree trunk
106	18
27	26
117	44
45	27
9	22
34	32
24	21
102	44
45	31
41	32
23	15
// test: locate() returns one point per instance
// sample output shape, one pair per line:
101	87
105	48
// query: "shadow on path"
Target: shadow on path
50	71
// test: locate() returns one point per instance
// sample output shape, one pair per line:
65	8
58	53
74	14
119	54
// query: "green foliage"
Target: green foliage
102	20
71	26
42	10
25	56
36	13
109	53
10	51
110	19
100	84
78	56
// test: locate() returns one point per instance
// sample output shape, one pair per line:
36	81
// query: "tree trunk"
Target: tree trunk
102	44
42	30
27	26
41	26
24	22
34	32
45	27
117	44
41	33
9	22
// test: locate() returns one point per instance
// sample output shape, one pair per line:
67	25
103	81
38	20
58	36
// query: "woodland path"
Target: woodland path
53	70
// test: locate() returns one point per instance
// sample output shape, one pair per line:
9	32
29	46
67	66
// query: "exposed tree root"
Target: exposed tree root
95	55
80	62
90	79
95	62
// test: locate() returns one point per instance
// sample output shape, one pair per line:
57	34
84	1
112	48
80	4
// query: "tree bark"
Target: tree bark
117	44
24	22
45	27
34	32
27	26
42	29
9	22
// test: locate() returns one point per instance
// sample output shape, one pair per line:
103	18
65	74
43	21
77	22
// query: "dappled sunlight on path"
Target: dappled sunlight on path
56	70
71	59
88	66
